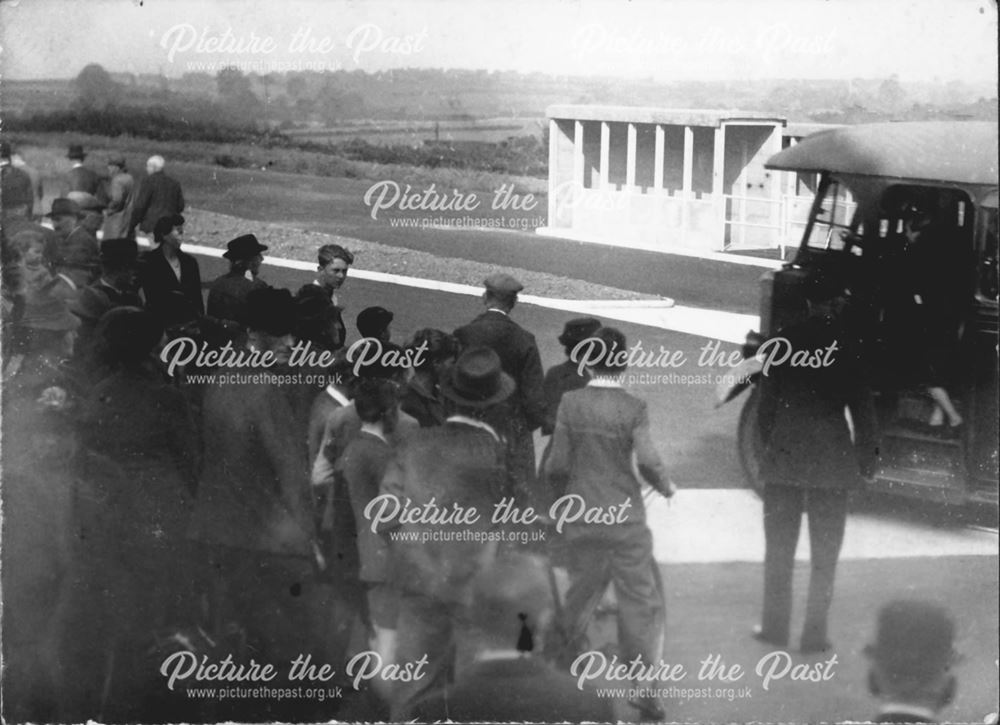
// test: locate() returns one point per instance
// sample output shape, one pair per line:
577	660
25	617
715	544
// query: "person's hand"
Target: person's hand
671	489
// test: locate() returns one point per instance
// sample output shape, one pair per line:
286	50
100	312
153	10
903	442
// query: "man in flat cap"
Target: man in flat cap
227	294
120	191
525	410
158	196
911	661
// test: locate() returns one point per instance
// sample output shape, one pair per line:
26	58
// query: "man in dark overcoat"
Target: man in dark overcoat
525	410
158	196
458	464
809	461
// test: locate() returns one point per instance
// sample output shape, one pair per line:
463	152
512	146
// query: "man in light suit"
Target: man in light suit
158	196
597	431
809	462
518	351
457	464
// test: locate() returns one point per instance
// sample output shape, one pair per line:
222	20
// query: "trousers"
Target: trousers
783	508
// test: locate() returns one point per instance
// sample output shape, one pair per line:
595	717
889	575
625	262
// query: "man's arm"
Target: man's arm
647	460
532	388
140	205
561	452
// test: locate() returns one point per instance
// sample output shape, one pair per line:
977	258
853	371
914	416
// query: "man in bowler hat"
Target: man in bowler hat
911	662
525	410
227	294
81	178
459	464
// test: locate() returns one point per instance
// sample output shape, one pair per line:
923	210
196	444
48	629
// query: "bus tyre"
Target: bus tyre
749	443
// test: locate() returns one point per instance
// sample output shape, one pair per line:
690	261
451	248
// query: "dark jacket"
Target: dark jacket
254	491
15	187
806	440
83	178
454	464
422	400
359	470
227	296
158	280
80	255
158	196
524	411
559	380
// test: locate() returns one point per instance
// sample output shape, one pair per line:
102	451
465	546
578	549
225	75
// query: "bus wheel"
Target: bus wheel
749	442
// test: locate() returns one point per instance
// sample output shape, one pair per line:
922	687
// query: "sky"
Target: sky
665	40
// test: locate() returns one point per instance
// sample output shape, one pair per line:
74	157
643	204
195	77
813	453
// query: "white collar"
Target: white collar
371	430
497	309
466	420
77	164
901	708
67	280
600	382
6	162
108	284
338	396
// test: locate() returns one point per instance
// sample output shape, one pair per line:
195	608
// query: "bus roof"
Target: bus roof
963	152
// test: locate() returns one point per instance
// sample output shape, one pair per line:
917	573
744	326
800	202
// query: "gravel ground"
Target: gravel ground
214	230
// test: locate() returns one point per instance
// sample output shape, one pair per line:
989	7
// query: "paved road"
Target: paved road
695	440
336	205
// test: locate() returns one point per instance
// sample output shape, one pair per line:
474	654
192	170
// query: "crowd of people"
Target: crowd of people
227	510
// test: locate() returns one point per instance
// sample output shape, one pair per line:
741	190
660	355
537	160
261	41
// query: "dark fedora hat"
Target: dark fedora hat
63	207
476	380
119	251
76	152
579	329
244	247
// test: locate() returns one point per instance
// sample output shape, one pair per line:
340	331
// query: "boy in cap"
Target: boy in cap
519	357
227	294
911	661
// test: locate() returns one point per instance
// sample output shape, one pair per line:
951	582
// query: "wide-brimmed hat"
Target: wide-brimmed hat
76	152
63	207
477	380
244	247
578	330
85	201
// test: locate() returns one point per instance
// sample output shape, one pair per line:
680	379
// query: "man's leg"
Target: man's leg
640	601
782	520
827	519
590	574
